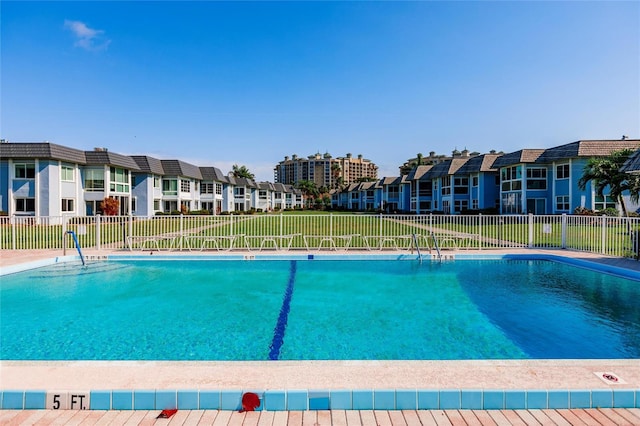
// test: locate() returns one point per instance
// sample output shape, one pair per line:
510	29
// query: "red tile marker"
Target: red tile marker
165	414
250	401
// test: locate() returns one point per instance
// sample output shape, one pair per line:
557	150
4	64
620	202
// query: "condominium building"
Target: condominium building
324	170
46	179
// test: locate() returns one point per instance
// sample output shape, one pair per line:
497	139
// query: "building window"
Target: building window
171	206
474	181
262	194
25	205
562	203
156	205
206	188
474	204
156	182
119	181
461	185
512	203
606	202
68	205
238	192
66	173
460	205
25	171
392	191
170	187
94	180
511	178
446	185
218	189
537	178
562	171
185	186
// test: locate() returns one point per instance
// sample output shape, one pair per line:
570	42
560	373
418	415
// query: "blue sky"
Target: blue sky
218	83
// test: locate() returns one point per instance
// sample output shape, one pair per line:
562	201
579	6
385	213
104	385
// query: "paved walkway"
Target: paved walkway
618	417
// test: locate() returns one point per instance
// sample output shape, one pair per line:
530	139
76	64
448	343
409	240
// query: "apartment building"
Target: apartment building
324	170
46	179
538	181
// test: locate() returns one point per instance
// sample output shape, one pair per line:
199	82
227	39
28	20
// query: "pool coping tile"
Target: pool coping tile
188	399
144	399
384	399
122	400
362	399
35	400
100	400
537	399
450	399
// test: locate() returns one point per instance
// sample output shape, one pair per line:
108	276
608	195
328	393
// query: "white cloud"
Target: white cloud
87	38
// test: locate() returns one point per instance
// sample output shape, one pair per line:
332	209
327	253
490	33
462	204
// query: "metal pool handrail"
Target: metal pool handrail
415	241
435	244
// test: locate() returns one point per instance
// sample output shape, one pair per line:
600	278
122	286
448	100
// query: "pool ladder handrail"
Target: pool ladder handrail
415	241
75	239
435	244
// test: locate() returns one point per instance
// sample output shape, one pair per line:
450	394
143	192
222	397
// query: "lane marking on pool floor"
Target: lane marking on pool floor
281	325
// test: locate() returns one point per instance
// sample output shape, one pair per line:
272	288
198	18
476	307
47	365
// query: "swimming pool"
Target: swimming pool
317	310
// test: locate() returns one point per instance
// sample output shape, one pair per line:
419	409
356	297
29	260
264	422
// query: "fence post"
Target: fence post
281	226
181	229
14	236
231	224
380	216
564	231
480	231
98	232
130	227
603	237
330	224
530	220
64	235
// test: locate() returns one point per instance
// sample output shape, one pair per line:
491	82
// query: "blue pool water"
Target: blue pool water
316	310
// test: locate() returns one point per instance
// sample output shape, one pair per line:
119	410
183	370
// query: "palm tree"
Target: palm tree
336	172
309	190
605	172
241	172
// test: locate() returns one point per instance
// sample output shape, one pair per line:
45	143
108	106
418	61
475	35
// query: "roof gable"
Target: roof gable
518	157
180	168
35	150
480	163
103	157
148	164
587	148
212	174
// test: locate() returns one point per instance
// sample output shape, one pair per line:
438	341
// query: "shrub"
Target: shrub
609	212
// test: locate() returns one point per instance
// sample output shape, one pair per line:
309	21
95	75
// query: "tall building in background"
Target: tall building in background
324	170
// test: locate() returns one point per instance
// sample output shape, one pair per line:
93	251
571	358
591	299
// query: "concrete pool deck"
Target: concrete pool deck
503	375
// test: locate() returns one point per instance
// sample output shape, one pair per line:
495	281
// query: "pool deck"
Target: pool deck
325	375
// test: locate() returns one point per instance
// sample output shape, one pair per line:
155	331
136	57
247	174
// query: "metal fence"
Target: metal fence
614	236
